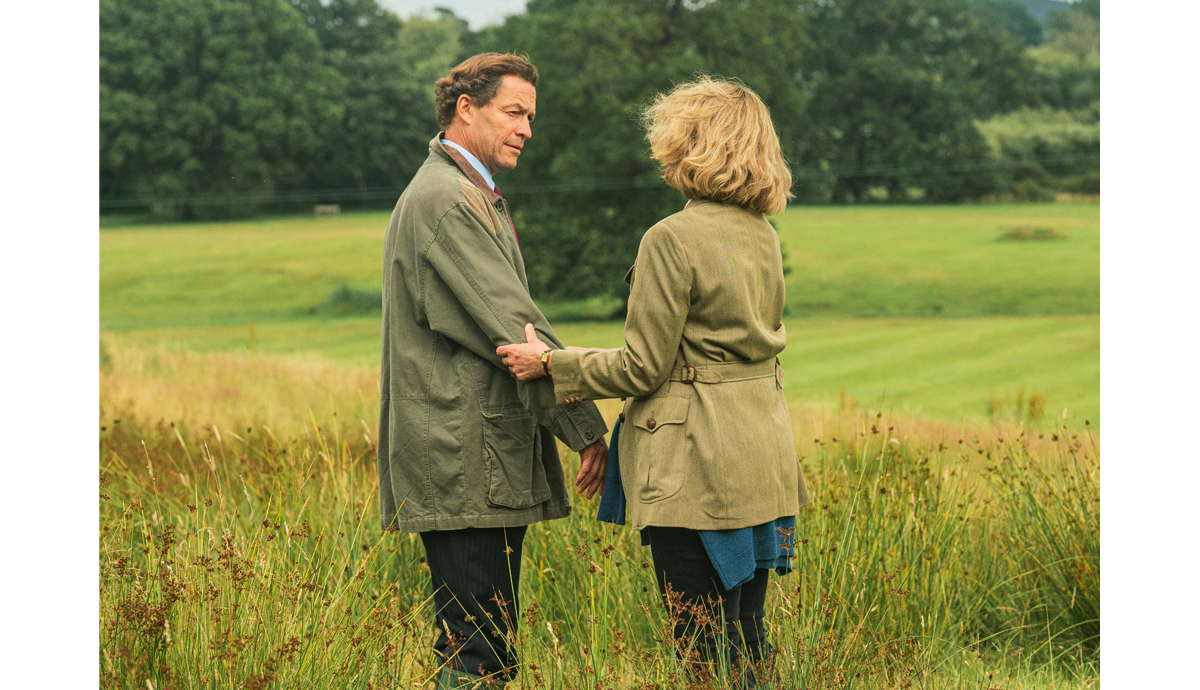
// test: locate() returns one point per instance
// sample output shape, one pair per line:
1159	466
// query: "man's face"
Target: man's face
497	131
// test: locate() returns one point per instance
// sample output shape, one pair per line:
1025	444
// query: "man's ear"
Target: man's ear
465	107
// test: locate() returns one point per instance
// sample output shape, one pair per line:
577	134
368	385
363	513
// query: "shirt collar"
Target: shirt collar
479	167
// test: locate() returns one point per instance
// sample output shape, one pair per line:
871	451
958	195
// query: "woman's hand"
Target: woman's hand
524	360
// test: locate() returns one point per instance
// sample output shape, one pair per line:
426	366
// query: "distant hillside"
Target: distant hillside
1041	9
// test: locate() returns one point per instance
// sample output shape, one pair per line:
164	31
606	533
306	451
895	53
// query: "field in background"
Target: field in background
1025	344
845	262
942	260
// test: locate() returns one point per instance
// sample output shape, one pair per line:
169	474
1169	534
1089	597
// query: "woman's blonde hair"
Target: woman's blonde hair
715	140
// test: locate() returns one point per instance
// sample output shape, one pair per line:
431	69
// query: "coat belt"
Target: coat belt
722	372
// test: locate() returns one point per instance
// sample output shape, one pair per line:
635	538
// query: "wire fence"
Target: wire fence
583	185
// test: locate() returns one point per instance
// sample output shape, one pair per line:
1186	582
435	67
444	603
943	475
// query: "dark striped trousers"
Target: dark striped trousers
476	576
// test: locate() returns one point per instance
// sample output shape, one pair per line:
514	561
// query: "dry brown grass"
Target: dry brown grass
231	391
198	391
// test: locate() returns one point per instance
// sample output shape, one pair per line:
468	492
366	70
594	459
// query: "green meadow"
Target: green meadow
919	310
942	260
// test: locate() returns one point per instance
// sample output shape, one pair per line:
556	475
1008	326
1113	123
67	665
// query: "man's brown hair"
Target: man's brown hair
479	77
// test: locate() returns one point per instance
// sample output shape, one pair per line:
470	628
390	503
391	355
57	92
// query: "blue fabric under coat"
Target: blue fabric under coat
734	553
612	499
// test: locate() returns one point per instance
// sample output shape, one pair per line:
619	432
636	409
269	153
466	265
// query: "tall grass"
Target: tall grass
249	556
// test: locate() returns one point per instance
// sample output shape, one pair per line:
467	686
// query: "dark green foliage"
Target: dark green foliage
1067	67
896	86
1008	16
1040	10
388	118
1064	81
1055	148
1050	150
600	64
212	108
212	98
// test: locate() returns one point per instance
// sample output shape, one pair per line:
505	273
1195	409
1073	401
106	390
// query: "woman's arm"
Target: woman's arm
524	360
659	301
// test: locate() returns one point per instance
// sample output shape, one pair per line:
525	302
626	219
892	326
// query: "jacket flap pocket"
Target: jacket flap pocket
515	474
655	412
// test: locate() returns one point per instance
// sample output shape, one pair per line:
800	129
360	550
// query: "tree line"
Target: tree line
214	108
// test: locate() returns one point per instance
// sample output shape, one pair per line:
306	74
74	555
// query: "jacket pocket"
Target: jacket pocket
659	445
515	475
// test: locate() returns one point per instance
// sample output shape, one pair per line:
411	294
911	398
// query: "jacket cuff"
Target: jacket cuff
567	375
582	425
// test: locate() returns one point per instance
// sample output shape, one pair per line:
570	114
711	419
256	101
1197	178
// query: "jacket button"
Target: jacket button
650	423
589	435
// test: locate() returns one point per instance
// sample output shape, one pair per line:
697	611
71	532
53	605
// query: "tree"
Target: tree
213	98
586	190
1049	150
896	86
389	67
1067	67
1056	147
1010	17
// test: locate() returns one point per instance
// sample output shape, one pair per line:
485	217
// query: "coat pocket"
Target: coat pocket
659	445
515	475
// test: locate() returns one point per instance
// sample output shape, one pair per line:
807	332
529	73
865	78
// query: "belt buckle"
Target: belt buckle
688	373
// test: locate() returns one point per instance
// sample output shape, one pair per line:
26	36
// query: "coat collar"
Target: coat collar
452	155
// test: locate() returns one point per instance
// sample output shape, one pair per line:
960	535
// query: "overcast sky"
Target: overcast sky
479	13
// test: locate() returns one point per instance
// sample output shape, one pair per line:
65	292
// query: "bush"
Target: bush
1046	151
346	300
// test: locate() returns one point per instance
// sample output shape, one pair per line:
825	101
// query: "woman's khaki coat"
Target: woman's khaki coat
706	442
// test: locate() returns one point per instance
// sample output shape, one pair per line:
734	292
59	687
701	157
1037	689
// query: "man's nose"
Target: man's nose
524	130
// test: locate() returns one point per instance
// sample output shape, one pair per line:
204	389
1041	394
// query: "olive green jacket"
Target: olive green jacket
706	446
462	443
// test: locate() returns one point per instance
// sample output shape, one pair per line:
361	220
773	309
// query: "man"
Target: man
467	455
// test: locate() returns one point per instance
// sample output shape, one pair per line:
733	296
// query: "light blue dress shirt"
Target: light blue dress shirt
479	167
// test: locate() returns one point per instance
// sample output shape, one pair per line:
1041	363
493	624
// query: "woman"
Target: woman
707	458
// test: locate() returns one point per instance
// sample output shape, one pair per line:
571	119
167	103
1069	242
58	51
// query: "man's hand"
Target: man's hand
524	360
591	471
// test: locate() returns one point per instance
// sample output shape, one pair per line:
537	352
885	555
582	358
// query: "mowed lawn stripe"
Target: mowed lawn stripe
946	368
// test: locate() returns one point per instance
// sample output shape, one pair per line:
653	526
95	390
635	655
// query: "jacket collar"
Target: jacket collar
453	156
